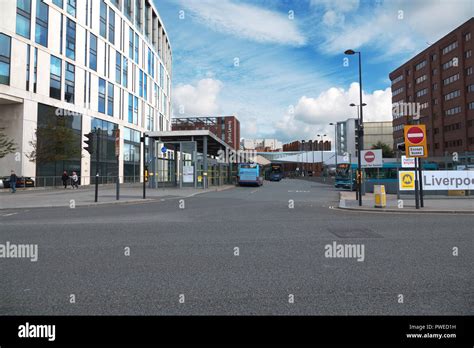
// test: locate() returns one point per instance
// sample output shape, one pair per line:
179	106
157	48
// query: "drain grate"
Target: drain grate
354	233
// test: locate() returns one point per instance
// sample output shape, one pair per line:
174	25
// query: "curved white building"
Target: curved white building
69	67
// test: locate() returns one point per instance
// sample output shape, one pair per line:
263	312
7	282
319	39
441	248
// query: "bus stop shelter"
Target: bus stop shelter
188	158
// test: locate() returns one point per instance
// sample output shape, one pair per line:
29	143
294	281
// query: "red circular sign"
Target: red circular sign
369	156
415	135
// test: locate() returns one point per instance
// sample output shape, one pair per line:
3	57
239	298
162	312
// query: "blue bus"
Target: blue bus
346	174
249	174
276	172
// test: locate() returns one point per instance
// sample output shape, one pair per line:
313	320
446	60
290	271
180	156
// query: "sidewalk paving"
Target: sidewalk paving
432	204
84	196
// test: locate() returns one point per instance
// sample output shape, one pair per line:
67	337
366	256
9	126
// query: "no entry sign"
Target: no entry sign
371	158
415	140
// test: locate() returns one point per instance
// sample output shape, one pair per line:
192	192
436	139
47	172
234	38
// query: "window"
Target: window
130	43
151	63
70	83
93	52
130	108
55	78
140	84
145	87
101	95
470	106
449	64
421	79
71	39
35	69
28	48
58	3
451	79
450	47
423	105
434	56
5	54
162	81
453	111
23	17
420	65
125	73
470	88
110	99
138	11
118	67
422	92
41	33
452	95
467	36
128	9
135	110
71	7
468	54
137	45
103	19
435	71
398	79
435	86
111	26
434	101
469	71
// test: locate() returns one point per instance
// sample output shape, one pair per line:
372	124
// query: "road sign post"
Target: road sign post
117	155
415	141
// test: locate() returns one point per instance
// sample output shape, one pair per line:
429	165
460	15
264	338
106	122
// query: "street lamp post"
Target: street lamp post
360	129
335	142
359	169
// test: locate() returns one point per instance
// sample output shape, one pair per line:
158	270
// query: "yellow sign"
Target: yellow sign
199	178
415	140
406	180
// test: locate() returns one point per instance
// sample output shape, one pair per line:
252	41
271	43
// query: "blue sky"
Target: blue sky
278	65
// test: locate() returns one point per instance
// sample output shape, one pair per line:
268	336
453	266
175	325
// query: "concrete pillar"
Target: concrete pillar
204	152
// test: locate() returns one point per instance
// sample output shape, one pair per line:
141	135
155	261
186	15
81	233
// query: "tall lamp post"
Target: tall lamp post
359	169
360	129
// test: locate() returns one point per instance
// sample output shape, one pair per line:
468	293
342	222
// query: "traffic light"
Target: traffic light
89	143
401	147
146	173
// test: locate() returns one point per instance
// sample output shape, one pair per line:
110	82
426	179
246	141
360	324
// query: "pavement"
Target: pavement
85	195
240	251
407	204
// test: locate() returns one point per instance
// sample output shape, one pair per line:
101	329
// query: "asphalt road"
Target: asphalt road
191	251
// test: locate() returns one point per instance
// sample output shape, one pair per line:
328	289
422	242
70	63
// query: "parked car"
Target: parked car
20	182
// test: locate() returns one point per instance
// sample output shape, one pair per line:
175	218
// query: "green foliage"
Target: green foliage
387	151
7	145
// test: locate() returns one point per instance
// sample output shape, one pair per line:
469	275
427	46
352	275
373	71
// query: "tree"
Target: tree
7	145
387	151
54	142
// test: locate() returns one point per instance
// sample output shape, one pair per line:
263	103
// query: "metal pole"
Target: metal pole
117	193
420	182
144	167
417	201
360	129
97	166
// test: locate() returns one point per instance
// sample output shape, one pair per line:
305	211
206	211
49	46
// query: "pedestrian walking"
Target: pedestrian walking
65	179
13	179
75	180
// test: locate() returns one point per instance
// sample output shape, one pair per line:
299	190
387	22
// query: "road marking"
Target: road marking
253	191
9	214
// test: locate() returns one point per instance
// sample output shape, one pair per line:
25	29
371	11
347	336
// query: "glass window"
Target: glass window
135	110
111	26
128	9
140	84
35	69
41	33
130	108
137	45
125	73
138	11
71	7
71	39
110	99
102	95
5	53
58	3
70	83
145	87
23	17
93	52
130	43
118	67
55	78
103	19
28	48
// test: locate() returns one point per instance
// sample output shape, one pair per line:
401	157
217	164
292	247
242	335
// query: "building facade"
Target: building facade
439	83
262	145
226	128
346	137
375	132
71	67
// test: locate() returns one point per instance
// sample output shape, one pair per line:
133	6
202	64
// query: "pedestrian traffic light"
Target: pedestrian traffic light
401	147
89	143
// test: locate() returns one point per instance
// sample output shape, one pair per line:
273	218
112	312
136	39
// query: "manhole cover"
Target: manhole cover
354	233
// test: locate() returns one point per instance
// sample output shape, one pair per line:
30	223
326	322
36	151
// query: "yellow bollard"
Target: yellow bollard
380	196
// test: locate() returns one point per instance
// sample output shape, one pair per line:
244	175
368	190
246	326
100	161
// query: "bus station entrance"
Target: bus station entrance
188	159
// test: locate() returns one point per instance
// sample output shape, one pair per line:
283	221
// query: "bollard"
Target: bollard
380	196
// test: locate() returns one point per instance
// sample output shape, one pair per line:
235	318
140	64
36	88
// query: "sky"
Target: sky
279	65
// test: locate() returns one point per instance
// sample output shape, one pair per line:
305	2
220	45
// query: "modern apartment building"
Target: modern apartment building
441	80
70	67
375	132
262	145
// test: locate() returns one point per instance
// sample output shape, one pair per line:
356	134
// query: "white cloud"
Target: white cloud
246	21
313	115
198	100
339	5
397	27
